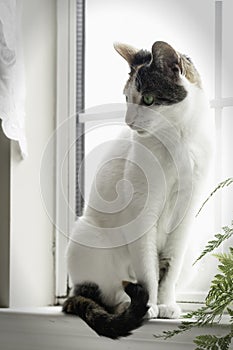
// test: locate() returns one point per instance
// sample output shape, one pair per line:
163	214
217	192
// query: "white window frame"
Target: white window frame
66	107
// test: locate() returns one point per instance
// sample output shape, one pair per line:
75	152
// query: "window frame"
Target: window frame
66	109
68	69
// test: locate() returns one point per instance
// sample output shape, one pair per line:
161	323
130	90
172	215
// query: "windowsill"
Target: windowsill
47	328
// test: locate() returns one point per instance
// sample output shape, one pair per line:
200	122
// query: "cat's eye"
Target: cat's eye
148	100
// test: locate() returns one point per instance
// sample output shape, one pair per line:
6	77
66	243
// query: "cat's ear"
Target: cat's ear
126	51
166	58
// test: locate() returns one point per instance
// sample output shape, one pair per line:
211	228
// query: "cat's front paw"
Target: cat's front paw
152	312
169	311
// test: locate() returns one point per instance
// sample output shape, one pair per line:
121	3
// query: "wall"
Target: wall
31	230
4	218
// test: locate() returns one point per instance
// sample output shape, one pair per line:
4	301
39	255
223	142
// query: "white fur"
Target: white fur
107	261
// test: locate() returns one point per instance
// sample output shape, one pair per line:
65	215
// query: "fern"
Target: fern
200	318
212	342
215	243
222	184
183	327
217	302
220	296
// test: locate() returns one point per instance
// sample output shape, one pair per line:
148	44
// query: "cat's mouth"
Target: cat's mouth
141	132
137	129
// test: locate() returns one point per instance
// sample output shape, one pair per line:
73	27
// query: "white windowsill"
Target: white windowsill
47	328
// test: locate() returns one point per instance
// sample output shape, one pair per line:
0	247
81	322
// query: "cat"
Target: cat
124	264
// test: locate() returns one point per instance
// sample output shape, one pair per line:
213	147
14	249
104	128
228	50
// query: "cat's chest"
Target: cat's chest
153	163
163	178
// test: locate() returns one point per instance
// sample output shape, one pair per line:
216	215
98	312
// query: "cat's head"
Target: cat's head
159	81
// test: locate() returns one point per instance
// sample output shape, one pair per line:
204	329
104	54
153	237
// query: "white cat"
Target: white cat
144	197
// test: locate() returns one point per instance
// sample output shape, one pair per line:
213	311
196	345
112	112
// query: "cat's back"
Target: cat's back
111	167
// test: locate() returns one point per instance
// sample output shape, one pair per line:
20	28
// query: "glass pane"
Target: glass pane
227	164
98	138
227	48
189	27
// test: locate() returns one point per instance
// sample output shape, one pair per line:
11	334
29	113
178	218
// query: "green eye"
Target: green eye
148	99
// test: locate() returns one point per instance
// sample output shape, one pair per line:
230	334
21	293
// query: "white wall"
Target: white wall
31	230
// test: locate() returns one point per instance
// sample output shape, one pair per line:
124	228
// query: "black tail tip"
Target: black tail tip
136	291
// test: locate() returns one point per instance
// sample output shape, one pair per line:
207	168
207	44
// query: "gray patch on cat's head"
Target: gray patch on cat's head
158	72
165	59
141	57
161	77
166	91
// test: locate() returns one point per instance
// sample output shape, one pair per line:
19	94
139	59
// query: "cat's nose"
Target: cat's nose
130	122
133	126
131	115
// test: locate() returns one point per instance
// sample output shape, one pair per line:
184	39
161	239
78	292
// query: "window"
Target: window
200	29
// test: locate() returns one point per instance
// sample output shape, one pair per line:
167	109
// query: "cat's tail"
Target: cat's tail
87	304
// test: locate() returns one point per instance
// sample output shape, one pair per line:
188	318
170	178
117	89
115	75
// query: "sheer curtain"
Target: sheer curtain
12	87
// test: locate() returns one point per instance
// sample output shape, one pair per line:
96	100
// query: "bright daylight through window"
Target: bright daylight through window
205	42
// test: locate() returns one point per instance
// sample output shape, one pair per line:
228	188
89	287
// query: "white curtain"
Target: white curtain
12	87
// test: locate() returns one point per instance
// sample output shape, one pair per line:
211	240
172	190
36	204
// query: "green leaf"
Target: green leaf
222	184
212	342
230	312
185	326
219	298
215	243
